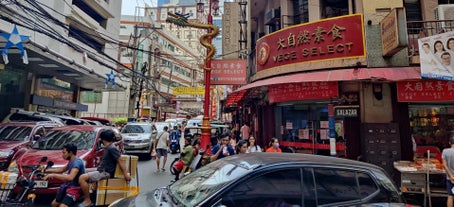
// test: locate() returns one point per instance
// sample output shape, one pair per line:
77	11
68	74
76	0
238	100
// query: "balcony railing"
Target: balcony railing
420	29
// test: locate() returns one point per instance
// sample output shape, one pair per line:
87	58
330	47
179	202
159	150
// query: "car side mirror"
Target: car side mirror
36	137
99	146
118	138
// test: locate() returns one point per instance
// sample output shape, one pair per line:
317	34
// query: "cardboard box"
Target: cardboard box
130	162
110	190
7	183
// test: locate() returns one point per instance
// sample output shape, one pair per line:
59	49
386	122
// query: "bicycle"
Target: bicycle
25	196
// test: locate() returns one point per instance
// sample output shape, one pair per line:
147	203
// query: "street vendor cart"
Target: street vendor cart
424	176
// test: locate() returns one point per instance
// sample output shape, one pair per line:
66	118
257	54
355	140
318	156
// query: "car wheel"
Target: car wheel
147	156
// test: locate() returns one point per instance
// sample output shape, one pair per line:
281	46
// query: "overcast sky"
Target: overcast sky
128	6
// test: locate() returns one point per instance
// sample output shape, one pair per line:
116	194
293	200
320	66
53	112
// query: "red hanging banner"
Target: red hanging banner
425	91
302	91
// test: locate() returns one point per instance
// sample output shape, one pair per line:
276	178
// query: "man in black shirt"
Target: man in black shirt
106	169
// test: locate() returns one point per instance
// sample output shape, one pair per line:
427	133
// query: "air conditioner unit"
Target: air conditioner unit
445	12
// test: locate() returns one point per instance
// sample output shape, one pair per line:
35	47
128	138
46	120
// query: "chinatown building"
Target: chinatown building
343	78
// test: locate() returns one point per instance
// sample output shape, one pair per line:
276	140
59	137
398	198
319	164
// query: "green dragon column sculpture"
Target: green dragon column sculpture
182	21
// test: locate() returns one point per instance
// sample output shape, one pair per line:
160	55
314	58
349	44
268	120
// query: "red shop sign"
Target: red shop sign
228	72
302	91
425	91
333	38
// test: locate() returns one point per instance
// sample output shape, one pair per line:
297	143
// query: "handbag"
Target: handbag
177	166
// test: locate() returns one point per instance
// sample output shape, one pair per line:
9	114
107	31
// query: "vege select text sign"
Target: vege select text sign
334	38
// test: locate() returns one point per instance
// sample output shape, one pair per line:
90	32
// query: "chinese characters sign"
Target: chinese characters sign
228	72
425	90
334	38
302	91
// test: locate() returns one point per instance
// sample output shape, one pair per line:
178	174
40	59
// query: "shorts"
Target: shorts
64	198
96	176
161	152
449	187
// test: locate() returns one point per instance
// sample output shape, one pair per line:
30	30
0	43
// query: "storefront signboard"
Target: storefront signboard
394	32
349	111
302	91
228	72
425	91
327	39
188	90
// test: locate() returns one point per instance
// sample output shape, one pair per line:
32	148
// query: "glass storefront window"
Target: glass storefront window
432	125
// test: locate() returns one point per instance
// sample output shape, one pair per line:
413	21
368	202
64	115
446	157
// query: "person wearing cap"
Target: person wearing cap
106	169
448	164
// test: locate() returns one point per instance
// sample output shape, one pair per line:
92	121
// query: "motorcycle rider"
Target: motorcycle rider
69	191
175	135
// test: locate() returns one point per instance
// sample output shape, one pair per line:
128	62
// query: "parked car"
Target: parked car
103	121
69	120
22	115
138	138
194	122
276	179
19	136
89	149
172	122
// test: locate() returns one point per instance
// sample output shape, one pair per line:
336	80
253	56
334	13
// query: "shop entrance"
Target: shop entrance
305	129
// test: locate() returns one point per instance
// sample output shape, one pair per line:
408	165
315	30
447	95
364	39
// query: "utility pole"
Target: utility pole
144	70
133	85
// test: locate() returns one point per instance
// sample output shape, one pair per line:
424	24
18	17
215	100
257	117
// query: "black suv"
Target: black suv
277	179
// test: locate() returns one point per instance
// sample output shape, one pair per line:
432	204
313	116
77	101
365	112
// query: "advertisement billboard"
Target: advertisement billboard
436	56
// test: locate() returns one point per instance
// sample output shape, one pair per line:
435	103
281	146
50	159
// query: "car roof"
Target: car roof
266	159
31	123
82	127
139	123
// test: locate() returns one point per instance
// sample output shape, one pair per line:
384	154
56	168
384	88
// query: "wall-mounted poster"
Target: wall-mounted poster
303	134
436	55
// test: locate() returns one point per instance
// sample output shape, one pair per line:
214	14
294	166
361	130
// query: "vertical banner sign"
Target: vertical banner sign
332	132
228	72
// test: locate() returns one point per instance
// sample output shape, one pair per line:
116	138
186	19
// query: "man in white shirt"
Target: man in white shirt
162	147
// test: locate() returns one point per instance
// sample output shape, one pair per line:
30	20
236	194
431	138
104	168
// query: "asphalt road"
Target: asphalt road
148	177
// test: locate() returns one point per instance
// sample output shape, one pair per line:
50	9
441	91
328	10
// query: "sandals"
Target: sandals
90	205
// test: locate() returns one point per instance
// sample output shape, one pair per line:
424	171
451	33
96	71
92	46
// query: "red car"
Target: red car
89	149
19	136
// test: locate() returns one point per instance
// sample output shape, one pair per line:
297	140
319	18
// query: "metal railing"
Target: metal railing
420	29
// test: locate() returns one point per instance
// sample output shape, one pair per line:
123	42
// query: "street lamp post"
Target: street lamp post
206	127
205	40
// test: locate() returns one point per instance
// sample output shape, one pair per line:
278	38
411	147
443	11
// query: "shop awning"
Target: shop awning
234	97
376	74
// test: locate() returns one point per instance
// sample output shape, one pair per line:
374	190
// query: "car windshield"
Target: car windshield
15	133
55	140
204	182
160	127
136	129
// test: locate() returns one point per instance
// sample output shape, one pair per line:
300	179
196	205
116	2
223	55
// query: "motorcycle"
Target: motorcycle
174	146
25	196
